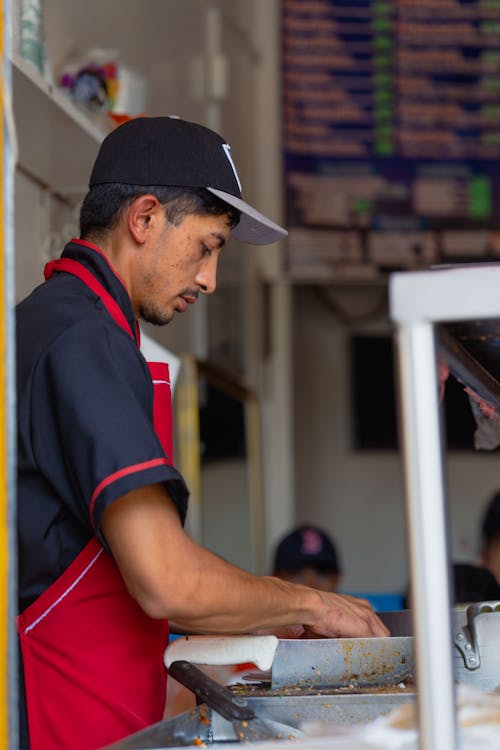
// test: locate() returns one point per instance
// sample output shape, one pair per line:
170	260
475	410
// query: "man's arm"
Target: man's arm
173	577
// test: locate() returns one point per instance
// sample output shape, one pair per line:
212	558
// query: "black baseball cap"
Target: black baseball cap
306	546
169	151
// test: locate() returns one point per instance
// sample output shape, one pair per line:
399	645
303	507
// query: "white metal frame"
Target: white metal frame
417	301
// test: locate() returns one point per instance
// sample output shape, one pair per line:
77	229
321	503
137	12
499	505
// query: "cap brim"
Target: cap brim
253	227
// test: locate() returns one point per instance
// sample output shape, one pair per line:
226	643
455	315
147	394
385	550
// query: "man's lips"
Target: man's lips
184	301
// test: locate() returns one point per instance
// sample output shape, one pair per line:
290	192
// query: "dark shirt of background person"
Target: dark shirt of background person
470	583
490	537
473	583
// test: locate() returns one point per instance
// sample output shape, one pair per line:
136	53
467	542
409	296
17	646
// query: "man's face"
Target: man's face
176	264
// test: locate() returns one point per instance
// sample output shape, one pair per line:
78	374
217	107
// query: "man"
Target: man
103	558
307	555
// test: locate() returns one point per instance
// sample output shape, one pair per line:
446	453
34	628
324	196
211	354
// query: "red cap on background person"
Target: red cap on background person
308	555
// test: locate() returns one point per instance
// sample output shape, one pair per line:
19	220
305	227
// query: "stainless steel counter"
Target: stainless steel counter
204	726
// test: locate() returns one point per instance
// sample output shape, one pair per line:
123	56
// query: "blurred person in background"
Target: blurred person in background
474	583
469	583
490	537
308	555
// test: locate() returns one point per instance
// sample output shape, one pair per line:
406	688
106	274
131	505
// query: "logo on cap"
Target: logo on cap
227	151
312	544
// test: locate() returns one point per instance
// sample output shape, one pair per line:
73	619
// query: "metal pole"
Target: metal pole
188	443
425	497
9	729
254	473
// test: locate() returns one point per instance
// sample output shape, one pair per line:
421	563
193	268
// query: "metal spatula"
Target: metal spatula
304	663
247	725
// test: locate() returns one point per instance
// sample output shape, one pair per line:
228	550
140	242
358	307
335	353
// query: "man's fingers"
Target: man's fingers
349	617
375	625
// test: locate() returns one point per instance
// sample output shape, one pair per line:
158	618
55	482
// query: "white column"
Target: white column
269	354
427	534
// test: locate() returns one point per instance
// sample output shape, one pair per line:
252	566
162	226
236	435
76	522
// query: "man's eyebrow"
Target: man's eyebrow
220	237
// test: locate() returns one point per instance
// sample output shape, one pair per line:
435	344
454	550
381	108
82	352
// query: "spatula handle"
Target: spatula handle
209	691
219	650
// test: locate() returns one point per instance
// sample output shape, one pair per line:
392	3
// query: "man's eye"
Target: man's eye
206	250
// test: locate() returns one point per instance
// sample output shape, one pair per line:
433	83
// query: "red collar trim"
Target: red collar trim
98	250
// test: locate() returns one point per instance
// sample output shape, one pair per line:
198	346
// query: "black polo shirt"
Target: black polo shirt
85	414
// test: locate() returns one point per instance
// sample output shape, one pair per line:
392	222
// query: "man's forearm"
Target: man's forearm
171	576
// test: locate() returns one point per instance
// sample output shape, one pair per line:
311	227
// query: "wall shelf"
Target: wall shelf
57	142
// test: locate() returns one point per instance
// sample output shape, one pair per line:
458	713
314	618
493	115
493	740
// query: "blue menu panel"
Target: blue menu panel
391	117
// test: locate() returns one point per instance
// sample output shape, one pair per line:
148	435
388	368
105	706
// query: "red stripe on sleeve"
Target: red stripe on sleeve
123	473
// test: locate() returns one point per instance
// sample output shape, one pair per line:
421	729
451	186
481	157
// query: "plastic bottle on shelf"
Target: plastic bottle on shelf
31	33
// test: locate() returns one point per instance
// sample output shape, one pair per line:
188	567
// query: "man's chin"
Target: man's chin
156	319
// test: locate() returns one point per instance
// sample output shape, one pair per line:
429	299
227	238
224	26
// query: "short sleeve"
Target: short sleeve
92	427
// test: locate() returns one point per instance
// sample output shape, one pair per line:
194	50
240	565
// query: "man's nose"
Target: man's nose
207	276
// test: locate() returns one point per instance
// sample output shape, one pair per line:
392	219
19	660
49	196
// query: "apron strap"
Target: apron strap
162	402
75	268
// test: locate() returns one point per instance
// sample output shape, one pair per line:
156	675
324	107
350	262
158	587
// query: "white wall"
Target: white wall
227	524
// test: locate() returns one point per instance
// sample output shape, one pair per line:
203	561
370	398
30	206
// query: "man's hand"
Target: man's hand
346	616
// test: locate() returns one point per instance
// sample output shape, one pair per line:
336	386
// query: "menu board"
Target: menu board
391	117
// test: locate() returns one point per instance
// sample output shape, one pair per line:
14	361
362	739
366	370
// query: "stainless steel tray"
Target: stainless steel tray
476	637
202	725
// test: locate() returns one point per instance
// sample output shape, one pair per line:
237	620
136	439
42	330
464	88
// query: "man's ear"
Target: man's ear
140	215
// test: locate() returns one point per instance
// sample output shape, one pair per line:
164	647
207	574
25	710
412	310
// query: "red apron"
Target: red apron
92	659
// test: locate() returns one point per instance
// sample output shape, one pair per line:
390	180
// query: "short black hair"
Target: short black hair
104	205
